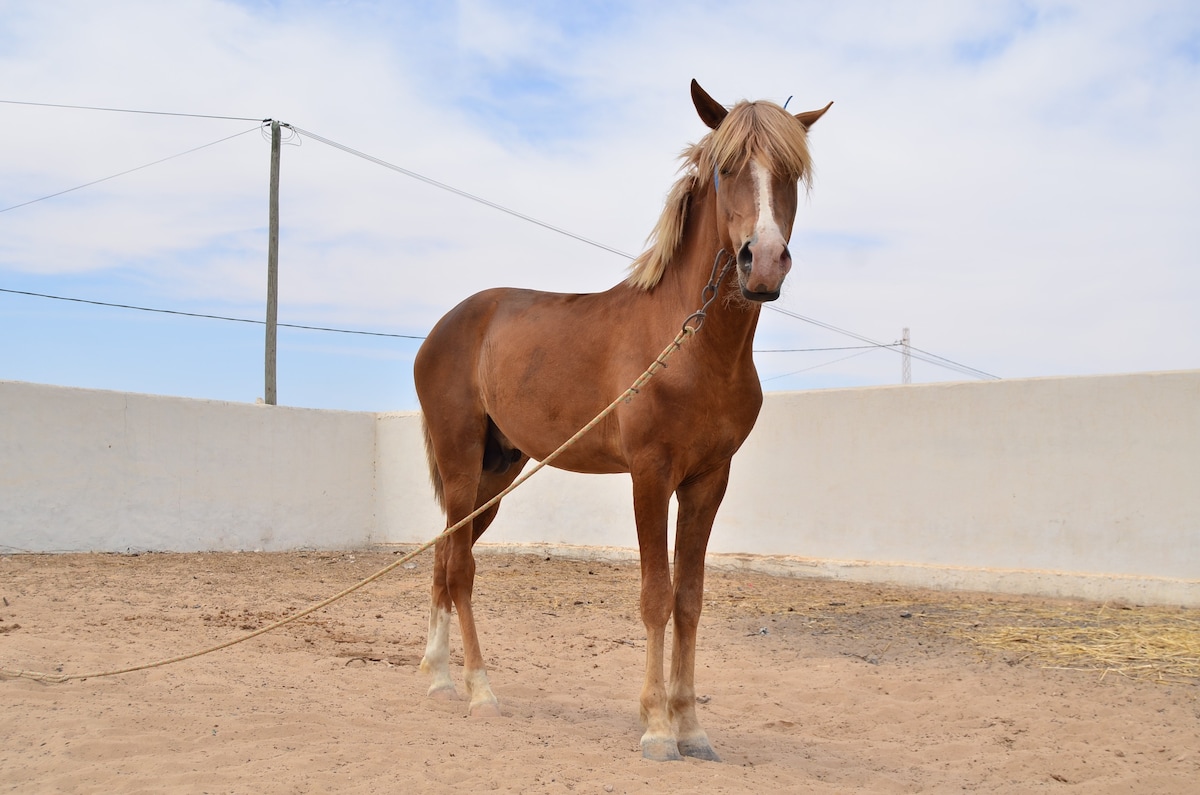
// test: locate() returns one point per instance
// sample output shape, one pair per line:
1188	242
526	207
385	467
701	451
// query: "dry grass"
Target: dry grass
1145	643
1158	644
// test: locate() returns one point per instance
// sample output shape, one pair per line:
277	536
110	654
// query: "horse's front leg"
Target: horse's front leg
650	500
698	502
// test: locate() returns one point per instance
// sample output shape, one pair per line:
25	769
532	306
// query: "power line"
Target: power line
129	171
128	110
353	331
456	191
814	350
209	317
824	364
928	358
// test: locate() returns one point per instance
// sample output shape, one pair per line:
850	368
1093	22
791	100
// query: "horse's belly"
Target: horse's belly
590	454
589	465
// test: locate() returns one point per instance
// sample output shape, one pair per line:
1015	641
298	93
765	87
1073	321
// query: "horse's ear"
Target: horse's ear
809	118
711	112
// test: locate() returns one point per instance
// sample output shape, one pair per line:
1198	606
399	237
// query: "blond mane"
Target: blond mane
760	130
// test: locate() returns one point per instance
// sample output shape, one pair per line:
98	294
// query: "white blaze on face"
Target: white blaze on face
770	261
766	227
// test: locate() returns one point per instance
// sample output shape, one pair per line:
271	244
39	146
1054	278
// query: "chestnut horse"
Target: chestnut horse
509	374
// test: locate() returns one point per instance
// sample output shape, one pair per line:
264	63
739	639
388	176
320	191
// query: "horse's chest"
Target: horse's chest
720	433
701	425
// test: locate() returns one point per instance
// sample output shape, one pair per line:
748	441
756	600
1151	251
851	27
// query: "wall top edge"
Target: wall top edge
975	383
30	385
1185	374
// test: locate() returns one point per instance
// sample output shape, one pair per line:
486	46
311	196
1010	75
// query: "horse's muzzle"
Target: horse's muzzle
760	298
763	264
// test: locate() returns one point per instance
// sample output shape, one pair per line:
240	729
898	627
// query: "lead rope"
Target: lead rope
691	325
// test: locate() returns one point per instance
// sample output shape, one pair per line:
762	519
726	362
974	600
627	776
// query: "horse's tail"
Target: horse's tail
435	477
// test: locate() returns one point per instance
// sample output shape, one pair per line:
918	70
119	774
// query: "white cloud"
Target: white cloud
1014	181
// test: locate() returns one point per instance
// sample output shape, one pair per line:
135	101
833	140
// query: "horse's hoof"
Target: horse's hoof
660	750
485	709
698	749
443	693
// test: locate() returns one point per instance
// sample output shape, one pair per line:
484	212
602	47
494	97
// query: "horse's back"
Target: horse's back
509	324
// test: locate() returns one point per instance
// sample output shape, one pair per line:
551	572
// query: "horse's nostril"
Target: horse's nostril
745	258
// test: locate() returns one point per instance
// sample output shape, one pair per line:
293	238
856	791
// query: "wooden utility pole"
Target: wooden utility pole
269	396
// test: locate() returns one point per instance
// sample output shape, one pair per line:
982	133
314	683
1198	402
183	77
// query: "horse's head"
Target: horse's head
756	156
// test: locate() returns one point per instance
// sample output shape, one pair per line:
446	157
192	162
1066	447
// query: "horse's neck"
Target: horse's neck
730	320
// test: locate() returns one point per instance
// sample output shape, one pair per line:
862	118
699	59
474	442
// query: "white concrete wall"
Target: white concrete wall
407	512
1063	486
1072	474
111	471
1084	487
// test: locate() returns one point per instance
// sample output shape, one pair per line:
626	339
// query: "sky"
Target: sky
1018	183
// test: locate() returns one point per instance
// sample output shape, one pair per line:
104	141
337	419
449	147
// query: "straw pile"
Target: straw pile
1153	644
1157	644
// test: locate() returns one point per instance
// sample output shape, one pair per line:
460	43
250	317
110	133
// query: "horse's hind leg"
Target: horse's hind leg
453	581
456	441
454	578
461	581
436	661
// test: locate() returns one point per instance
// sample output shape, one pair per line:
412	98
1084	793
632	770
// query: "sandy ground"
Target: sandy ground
807	686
